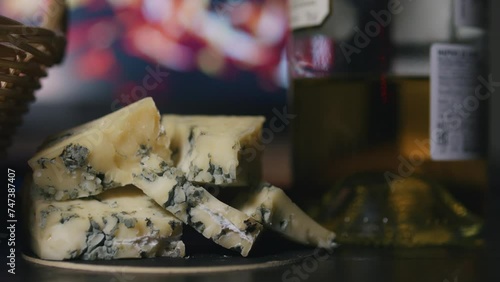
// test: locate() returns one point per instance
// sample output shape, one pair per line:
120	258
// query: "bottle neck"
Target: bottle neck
362	36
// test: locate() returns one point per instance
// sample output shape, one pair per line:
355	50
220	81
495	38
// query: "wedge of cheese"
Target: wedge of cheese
130	147
196	207
99	155
210	150
119	223
270	206
221	150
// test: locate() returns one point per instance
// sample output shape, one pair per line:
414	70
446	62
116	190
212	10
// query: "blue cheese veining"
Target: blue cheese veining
99	155
130	147
196	207
222	150
119	223
270	206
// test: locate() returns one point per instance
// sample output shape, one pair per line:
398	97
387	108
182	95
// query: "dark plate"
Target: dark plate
201	256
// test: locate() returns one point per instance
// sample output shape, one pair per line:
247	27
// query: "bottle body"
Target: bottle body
378	110
351	125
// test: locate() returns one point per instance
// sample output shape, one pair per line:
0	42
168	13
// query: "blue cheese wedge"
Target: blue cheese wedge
196	207
270	206
130	147
119	223
99	155
221	150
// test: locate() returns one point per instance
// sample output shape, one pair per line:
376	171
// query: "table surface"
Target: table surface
345	264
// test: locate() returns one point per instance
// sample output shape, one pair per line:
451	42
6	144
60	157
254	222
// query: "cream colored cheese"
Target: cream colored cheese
130	147
216	149
120	223
270	206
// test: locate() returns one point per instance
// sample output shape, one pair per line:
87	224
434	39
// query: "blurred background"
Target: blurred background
191	56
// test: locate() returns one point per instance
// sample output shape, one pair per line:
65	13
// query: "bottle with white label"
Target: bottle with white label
390	97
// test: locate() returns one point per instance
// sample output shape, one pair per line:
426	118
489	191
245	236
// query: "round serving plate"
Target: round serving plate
202	256
206	263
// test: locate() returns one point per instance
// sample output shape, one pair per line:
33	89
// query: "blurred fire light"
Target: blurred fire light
210	61
194	35
97	63
220	38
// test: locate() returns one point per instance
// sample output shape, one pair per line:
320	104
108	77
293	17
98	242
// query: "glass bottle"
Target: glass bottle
387	118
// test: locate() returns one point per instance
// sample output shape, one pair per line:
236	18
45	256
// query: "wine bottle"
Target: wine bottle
388	116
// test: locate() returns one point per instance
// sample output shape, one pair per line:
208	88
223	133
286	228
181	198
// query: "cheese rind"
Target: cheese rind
221	150
120	223
270	206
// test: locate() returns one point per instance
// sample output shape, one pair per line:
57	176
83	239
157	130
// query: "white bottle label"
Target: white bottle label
470	13
308	13
455	121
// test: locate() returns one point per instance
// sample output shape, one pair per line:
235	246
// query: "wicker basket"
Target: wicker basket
25	54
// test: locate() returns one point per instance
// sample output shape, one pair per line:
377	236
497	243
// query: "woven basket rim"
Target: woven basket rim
25	54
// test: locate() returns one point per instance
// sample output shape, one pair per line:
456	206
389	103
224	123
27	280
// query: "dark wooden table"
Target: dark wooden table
346	264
